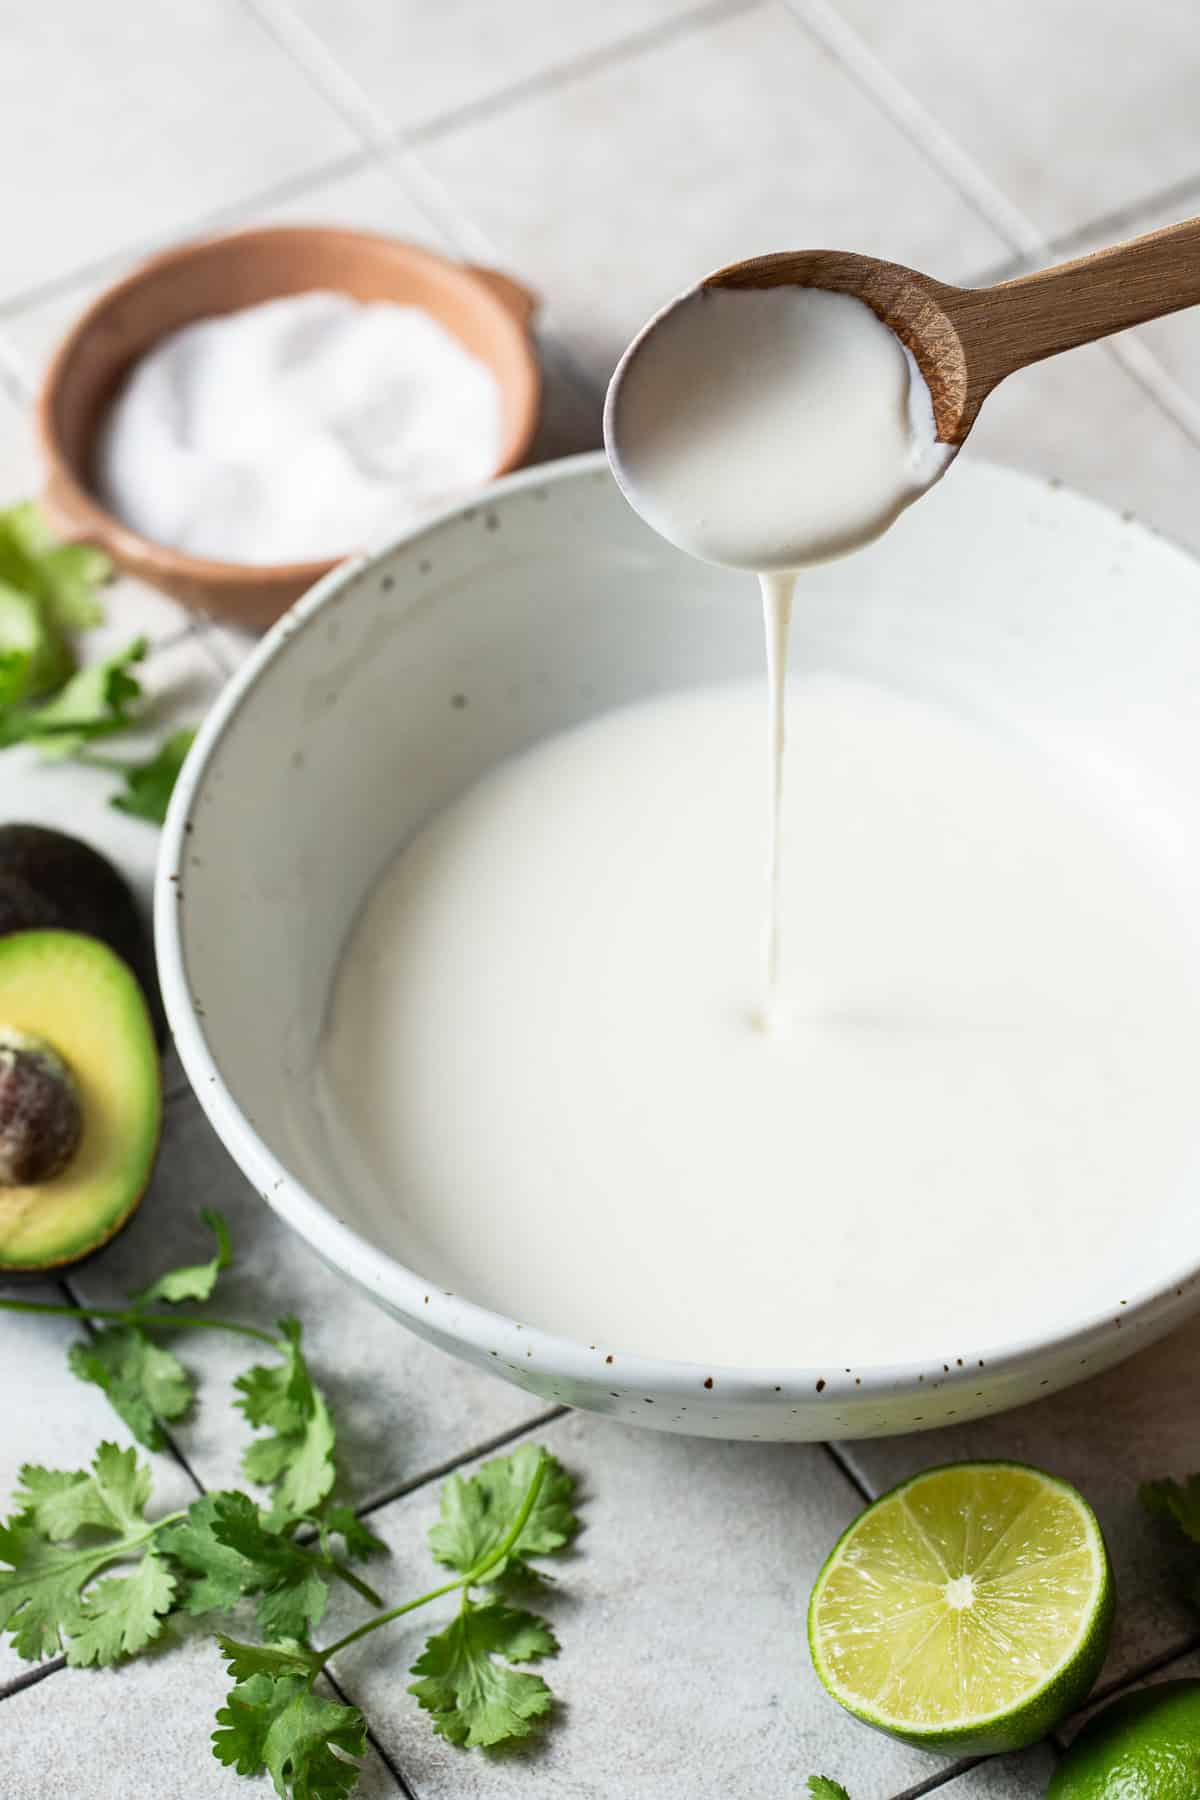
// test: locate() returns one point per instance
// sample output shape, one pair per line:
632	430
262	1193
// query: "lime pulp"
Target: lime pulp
967	1611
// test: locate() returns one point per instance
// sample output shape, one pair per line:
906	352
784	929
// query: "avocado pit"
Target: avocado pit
41	1117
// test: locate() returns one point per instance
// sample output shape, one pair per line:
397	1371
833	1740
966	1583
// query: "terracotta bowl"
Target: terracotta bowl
486	311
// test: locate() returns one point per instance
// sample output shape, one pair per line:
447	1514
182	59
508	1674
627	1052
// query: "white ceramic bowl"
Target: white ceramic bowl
547	601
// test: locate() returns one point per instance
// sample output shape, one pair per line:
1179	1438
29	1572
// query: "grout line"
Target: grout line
993	205
944	1776
321	69
576	68
841	1461
346	1700
326	73
1108	227
114	262
923	131
465	1456
1132	1678
424	191
203	628
1156	380
30	1677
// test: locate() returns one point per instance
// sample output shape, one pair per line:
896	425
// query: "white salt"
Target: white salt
296	430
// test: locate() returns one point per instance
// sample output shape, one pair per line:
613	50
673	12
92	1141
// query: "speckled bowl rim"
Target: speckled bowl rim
1140	1314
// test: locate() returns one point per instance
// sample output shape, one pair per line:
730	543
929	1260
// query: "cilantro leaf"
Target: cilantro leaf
284	1658
60	1502
121	1615
35	657
144	1383
278	1395
42	1590
266	1459
297	1460
300	1738
477	1511
223	1543
217	1572
1169	1500
359	1540
120	1486
91	704
195	1281
472	1698
822	1788
310	1471
291	1588
150	784
39	1591
63	577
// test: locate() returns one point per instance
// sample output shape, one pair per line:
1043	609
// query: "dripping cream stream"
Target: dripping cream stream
777	593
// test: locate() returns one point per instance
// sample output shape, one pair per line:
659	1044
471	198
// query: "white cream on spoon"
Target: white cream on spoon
767	428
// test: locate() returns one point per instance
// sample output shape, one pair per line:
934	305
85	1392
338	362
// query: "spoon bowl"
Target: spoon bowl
920	310
966	340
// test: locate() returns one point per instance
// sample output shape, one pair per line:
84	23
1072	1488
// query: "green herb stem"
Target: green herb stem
344	1573
144	1321
468	1580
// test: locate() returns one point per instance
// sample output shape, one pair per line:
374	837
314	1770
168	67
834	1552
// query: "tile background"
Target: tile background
606	155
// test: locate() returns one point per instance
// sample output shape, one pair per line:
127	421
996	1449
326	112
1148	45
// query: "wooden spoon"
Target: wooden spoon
965	340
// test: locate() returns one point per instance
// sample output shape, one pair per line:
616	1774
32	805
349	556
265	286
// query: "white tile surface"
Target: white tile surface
1083	420
368	199
135	1733
403	1408
738	138
138	118
681	1618
1131	1425
1021	1777
49	1417
414	63
19	472
1071	116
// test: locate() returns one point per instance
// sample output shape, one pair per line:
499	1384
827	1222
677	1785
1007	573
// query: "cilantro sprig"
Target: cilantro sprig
48	592
273	1719
821	1787
68	1528
85	1570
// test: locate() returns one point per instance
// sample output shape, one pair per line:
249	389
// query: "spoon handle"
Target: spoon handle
1006	327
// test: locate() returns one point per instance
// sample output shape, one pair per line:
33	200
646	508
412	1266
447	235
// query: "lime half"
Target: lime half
967	1611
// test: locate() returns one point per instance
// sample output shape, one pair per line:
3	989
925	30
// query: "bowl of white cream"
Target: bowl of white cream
240	414
460	931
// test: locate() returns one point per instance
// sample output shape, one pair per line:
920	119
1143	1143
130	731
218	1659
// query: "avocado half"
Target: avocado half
80	1097
52	881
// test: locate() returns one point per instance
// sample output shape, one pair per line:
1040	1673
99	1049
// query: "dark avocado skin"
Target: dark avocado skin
51	881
